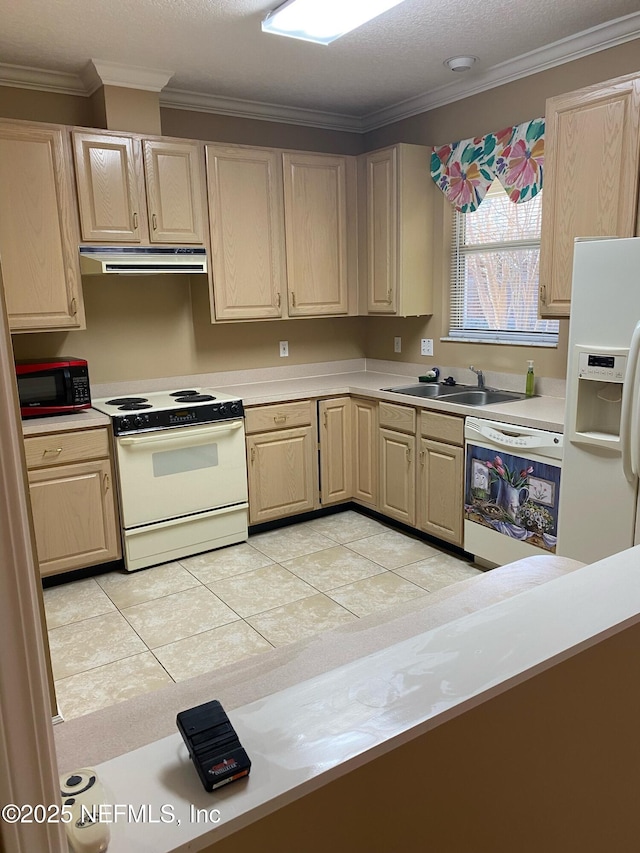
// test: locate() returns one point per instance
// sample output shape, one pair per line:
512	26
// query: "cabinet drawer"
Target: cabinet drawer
279	416
58	448
443	427
402	418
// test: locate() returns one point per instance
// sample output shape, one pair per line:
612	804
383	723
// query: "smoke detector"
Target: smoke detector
460	63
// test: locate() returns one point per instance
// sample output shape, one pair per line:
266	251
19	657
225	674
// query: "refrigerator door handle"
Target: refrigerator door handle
628	415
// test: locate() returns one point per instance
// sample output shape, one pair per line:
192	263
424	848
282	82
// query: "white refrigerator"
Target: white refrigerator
598	514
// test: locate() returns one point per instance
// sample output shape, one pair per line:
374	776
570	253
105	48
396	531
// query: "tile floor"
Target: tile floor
117	635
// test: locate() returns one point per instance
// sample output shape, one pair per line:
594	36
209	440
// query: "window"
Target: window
494	273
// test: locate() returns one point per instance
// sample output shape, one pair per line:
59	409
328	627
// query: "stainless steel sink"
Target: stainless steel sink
423	389
469	395
483	397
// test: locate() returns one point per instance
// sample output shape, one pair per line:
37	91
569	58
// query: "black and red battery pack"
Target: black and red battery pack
213	745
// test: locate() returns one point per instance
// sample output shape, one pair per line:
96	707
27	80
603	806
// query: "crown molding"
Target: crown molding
25	77
565	50
180	99
99	72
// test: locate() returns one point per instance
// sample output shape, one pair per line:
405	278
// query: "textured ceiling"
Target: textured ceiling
216	47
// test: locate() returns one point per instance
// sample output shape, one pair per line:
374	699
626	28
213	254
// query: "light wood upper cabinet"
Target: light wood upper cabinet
38	229
175	191
317	233
71	486
336	468
396	198
135	190
592	164
247	231
110	182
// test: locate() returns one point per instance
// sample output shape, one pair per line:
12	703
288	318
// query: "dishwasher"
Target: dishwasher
512	491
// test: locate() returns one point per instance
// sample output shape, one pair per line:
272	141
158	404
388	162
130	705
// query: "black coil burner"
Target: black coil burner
132	407
125	401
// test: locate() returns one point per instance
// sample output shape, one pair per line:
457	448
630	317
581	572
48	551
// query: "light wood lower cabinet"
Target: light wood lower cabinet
281	462
398	462
441	476
336	464
73	503
365	451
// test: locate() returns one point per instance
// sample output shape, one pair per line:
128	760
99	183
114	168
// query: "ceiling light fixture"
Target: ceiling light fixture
323	21
460	63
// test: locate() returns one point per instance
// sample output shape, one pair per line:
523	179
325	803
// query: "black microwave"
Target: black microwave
52	386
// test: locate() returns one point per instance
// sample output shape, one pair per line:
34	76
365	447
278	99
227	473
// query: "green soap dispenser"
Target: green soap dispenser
530	381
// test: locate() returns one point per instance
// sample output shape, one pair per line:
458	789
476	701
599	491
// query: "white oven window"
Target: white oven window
168	462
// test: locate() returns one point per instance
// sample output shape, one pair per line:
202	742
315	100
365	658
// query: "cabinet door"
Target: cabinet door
110	181
382	231
365	451
247	232
38	229
282	473
336	469
591	179
74	516
175	191
315	204
440	490
397	475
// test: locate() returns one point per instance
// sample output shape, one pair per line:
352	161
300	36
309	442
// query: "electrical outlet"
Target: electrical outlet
284	349
426	346
397	344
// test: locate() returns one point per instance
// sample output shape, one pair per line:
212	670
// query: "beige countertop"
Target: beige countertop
539	412
85	419
260	386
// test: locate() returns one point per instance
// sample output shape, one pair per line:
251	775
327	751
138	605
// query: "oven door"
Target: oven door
177	472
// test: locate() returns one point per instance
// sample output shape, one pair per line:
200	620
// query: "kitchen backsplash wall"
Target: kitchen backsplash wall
148	327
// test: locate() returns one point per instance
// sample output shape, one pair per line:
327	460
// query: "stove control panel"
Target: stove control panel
141	421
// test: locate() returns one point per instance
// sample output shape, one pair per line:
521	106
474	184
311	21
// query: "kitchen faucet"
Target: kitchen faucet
479	374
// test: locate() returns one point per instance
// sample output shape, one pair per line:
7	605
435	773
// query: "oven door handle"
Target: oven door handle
165	437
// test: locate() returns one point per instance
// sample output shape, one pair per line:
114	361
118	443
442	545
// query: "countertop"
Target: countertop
311	733
85	419
539	412
364	377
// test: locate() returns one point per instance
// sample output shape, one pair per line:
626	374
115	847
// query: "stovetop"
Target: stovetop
167	409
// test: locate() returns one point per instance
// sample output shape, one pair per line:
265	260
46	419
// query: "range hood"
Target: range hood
142	260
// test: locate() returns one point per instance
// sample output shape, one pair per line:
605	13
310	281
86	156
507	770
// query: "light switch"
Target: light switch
426	346
397	344
284	349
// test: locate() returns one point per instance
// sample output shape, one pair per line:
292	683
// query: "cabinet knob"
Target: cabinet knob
293	299
154	222
253	455
278	300
422	455
408	455
135	221
543	294
389	296
279	419
74	306
106	482
52	450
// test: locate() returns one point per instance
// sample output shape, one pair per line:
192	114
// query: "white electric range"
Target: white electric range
182	472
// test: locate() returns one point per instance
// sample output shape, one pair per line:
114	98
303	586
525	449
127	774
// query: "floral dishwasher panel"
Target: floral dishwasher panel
514	496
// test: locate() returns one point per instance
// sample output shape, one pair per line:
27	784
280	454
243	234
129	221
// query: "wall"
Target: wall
151	327
488	111
147	327
550	765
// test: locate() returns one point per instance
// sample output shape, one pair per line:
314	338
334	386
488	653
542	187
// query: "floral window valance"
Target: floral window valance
465	170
